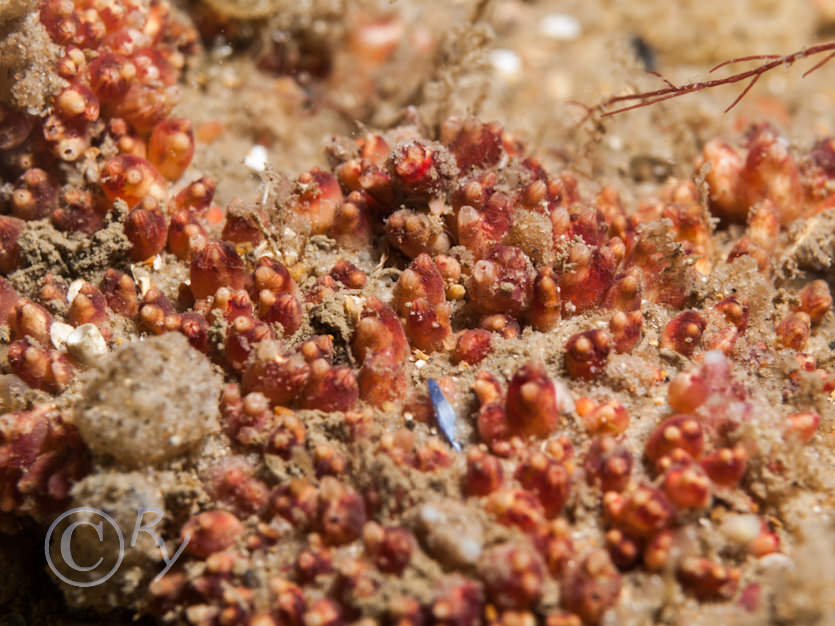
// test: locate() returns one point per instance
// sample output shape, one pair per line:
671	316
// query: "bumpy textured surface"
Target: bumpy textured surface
631	326
148	402
121	495
27	58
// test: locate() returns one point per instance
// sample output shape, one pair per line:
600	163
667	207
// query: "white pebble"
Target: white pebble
506	62
86	344
741	529
560	26
256	158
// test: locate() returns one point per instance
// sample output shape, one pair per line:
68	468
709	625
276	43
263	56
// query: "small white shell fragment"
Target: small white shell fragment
741	529
564	399
256	158
141	277
73	289
354	306
58	333
86	344
263	249
560	26
506	62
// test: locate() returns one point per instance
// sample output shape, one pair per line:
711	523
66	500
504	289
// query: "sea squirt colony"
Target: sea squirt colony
283	384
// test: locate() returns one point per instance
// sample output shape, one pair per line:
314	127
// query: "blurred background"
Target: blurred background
288	74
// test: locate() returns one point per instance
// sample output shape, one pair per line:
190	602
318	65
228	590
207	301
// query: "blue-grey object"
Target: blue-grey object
444	412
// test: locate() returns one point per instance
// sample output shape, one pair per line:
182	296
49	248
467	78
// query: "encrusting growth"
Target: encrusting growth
606	379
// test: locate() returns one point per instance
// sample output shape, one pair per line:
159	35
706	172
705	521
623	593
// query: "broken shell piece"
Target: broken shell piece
141	277
58	333
86	344
74	289
353	307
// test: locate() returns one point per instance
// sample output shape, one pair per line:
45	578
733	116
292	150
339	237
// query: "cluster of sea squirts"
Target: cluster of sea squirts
488	247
